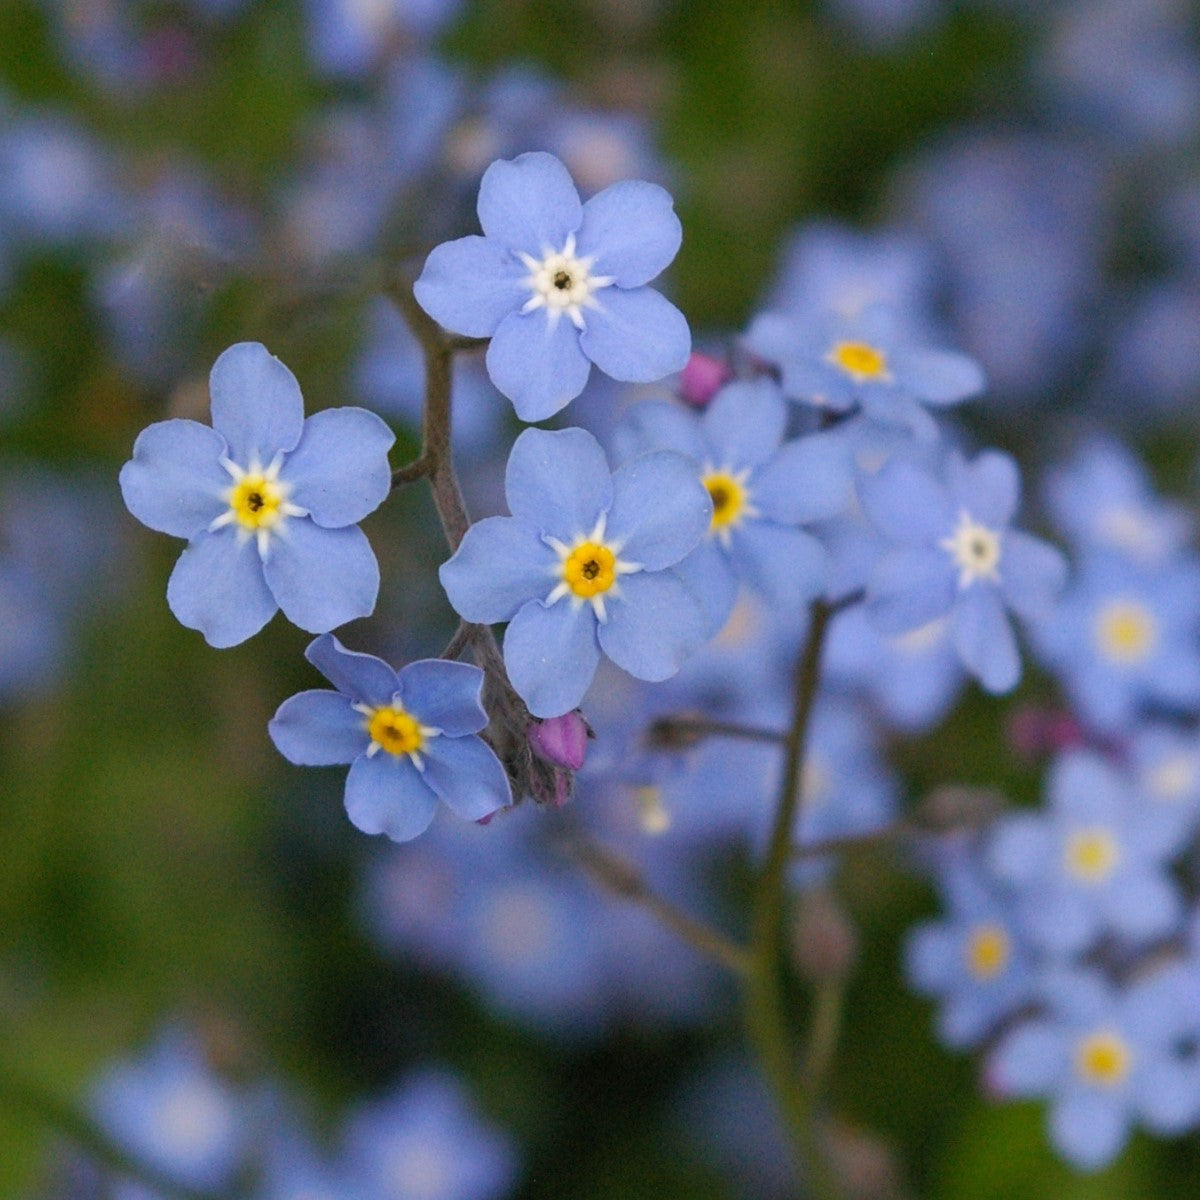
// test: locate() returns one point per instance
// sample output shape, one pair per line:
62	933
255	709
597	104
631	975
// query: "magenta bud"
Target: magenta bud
702	378
561	741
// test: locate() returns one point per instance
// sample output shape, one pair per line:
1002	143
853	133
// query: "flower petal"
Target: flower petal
386	794
217	587
660	509
786	566
1019	849
339	472
1029	1060
709	576
660	425
467	775
809	479
938	377
256	403
529	203
175	482
558	481
653	626
319	728
322	578
444	694
471	284
984	639
744	423
635	336
362	677
909	588
988	486
551	655
499	565
907	504
1089	1128
631	231
1032	574
537	364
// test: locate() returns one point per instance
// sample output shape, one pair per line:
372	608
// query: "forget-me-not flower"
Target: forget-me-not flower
957	556
408	735
582	565
268	501
559	285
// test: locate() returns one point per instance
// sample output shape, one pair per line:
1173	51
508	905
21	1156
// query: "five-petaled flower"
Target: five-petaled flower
582	565
558	285
268	501
408	735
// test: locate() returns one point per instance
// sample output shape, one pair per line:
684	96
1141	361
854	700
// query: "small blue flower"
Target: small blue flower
760	492
559	285
408	737
836	362
958	556
582	566
268	501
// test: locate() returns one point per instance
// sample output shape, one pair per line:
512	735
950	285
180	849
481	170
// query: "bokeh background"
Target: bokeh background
177	177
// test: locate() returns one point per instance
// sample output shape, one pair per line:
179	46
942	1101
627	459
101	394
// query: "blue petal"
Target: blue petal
386	794
499	565
1032	574
1085	787
710	577
551	655
444	694
319	729
217	587
1029	1060
1060	920
470	285
631	231
653	626
558	482
889	406
744	423
256	403
659	425
984	639
933	957
1166	1092
467	775
810	479
362	677
988	487
938	376
1019	849
175	482
1143	906
322	578
635	336
339	471
788	567
1089	1128
906	504
660	509
909	588
529	203
538	365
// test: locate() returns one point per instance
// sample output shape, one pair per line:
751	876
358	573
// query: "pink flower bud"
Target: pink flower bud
561	741
702	378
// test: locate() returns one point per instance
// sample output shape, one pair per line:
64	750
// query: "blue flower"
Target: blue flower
1107	1057
760	493
836	362
408	737
582	566
958	556
558	285
268	501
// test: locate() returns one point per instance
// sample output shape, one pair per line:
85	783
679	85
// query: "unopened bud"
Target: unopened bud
1033	732
561	741
824	940
954	808
863	1163
702	378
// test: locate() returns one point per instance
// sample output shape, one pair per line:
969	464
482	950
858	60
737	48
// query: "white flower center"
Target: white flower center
589	569
562	283
258	502
975	549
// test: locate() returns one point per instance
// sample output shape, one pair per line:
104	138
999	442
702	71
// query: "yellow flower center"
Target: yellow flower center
394	730
1091	854
1103	1058
589	569
1125	631
728	498
257	502
860	361
987	950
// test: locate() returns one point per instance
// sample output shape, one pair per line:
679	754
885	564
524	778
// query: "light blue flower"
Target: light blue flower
868	360
408	737
1107	1057
582	566
956	555
1090	864
559	285
761	492
268	501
